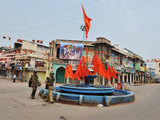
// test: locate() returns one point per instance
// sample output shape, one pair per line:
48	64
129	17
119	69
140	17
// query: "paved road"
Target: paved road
15	104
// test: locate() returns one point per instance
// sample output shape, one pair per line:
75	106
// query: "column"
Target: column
130	78
133	78
109	82
119	78
123	78
103	81
67	81
127	78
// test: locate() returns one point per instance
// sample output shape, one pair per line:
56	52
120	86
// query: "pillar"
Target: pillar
67	81
134	78
123	77
103	81
127	78
130	78
119	78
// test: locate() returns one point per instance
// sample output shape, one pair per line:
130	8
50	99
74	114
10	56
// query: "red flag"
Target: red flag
66	72
95	63
84	60
114	73
79	72
69	72
87	21
98	66
85	70
108	73
76	74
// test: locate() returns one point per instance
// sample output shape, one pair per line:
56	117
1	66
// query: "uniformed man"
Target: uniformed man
34	84
50	83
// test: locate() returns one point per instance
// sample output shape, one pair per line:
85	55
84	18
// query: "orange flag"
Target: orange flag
87	21
95	63
108	73
98	66
114	73
79	72
76	74
84	60
66	72
69	72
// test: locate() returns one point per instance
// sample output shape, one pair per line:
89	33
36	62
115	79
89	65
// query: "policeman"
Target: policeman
34	84
50	83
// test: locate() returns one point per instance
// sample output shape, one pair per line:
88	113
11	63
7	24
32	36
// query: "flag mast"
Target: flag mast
85	29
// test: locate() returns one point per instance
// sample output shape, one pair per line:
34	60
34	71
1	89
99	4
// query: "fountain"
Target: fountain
90	94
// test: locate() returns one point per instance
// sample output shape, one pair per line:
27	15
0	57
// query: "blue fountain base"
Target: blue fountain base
85	89
119	96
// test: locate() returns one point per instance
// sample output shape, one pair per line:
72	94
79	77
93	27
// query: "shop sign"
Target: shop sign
32	62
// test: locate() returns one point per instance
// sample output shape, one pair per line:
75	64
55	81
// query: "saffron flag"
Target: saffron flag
108	73
76	75
79	72
87	22
114	73
95	63
98	66
69	72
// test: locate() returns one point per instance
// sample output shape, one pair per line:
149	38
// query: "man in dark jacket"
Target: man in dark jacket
34	84
50	84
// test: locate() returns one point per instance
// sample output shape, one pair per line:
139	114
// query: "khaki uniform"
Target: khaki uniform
34	85
50	82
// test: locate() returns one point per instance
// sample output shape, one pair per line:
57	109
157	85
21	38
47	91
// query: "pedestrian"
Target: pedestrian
14	78
47	82
34	83
50	85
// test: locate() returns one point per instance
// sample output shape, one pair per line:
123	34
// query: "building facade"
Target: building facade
131	67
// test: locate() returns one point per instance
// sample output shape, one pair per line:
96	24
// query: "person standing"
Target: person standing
50	83
34	84
14	78
47	82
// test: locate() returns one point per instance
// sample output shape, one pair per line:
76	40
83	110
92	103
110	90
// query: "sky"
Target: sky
133	24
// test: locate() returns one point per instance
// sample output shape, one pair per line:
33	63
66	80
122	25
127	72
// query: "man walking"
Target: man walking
50	82
34	84
14	78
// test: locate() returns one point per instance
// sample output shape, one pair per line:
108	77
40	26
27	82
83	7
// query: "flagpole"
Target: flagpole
87	21
87	62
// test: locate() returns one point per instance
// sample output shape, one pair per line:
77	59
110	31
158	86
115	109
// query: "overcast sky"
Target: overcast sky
133	24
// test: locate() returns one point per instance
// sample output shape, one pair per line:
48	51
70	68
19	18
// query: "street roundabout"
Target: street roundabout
89	94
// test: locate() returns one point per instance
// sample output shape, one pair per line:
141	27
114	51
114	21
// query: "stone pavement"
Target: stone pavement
15	104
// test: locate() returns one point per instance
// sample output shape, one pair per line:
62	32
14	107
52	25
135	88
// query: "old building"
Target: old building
24	58
130	66
31	55
63	52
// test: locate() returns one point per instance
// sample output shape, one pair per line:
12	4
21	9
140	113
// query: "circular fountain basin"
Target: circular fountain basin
85	89
82	94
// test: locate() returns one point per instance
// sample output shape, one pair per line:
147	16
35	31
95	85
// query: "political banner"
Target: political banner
70	51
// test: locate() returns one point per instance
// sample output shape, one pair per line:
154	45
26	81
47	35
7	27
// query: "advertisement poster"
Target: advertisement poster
70	51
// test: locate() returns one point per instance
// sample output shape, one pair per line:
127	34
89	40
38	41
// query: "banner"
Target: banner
70	51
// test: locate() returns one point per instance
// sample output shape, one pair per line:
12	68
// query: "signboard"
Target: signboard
71	51
32	63
29	46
